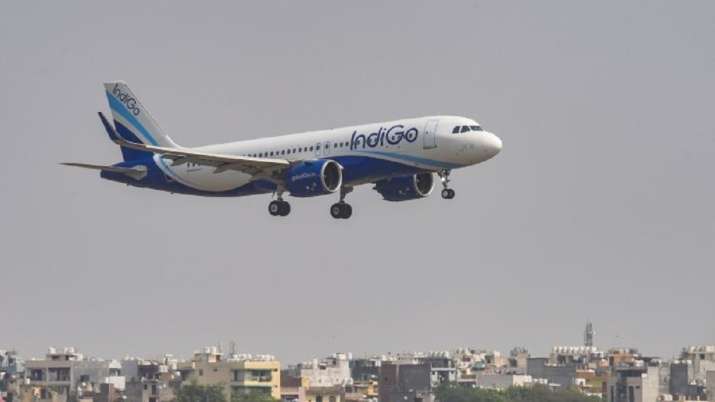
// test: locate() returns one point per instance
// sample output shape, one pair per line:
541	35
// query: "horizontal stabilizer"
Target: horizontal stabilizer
136	172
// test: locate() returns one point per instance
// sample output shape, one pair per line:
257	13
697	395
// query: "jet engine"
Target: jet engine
405	188
314	177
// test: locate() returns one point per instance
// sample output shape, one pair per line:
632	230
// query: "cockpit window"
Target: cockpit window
464	129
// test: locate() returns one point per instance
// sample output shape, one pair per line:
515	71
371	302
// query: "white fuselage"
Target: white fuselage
424	143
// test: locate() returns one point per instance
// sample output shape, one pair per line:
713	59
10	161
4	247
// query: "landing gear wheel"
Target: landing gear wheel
448	193
341	210
285	208
274	208
279	208
336	210
348	211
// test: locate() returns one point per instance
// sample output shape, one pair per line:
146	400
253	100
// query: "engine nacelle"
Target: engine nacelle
405	188
314	177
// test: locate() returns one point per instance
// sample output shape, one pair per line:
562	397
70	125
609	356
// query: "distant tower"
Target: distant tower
588	334
234	348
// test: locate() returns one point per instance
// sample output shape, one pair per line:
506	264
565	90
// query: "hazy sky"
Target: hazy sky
599	207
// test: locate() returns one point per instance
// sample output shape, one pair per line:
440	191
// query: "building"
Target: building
710	376
238	374
150	381
331	371
293	387
442	367
633	384
622	357
365	373
502	381
405	382
681	372
518	358
11	370
67	374
702	359
557	375
328	393
365	369
582	356
591	382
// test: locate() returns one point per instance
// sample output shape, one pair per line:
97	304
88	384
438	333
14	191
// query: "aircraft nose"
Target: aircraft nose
493	144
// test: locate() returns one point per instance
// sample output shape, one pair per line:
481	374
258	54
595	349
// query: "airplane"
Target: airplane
400	158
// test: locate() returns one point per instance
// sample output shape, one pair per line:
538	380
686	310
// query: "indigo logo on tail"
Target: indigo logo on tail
126	99
393	136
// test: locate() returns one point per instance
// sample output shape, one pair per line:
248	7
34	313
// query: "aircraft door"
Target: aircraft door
326	148
317	150
429	139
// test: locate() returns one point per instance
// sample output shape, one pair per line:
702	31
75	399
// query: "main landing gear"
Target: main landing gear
279	207
447	193
341	209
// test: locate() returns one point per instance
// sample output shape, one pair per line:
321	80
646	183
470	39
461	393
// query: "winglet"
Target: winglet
110	129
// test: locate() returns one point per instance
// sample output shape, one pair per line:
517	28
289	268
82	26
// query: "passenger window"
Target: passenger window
465	129
455	130
311	148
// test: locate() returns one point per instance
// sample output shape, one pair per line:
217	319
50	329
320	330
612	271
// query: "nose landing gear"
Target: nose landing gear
279	207
447	193
341	209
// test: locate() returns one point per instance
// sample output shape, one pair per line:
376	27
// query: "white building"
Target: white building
702	358
502	381
330	371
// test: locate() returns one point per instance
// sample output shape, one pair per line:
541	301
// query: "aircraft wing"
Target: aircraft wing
221	162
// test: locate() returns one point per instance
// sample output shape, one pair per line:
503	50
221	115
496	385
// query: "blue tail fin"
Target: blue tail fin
132	121
128	154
